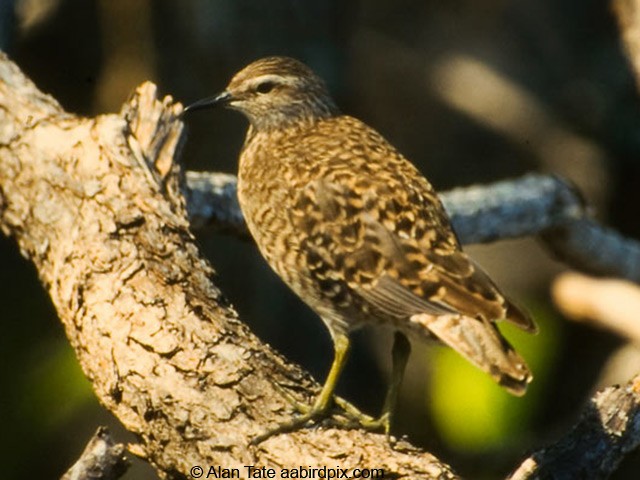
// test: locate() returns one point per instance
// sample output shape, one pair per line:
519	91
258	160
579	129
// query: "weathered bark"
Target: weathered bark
96	205
608	430
102	459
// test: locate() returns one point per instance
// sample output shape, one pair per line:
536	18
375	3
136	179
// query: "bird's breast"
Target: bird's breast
266	185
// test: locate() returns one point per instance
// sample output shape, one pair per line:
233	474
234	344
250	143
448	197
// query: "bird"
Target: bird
358	233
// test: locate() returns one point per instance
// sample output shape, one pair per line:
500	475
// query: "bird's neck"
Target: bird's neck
300	115
278	123
257	134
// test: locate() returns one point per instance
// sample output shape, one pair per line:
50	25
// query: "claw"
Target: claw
348	415
300	407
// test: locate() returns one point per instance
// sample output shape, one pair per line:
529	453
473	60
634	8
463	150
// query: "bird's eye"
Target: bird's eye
265	87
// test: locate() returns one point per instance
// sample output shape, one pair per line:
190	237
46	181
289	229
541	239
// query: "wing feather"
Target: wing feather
375	232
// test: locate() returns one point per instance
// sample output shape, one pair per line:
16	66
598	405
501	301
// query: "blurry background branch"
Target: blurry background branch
609	303
532	205
489	90
94	204
627	13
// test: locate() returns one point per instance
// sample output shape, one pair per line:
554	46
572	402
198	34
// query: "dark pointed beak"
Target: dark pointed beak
210	102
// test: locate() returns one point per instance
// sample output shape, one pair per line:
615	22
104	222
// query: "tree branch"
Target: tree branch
610	303
102	459
608	430
96	205
627	13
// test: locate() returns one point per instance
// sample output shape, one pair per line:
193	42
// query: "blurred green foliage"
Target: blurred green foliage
471	412
54	388
379	59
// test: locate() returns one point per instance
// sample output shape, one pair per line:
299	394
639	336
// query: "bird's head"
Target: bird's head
274	92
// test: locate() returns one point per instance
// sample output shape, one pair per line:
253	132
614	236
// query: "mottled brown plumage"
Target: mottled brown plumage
355	229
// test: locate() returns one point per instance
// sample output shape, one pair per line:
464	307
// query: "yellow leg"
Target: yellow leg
324	399
341	347
400	356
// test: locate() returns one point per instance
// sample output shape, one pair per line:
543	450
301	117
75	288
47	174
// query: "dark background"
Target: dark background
471	91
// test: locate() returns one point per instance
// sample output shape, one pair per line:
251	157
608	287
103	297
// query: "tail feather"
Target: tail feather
480	342
520	318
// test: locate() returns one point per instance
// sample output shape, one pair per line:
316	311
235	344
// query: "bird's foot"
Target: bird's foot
352	414
364	421
382	423
295	423
356	419
308	414
300	407
346	416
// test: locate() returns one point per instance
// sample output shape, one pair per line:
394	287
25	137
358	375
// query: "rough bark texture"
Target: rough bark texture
95	204
102	459
608	430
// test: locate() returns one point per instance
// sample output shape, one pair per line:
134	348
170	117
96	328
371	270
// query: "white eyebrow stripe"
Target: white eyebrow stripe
270	77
